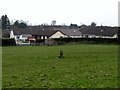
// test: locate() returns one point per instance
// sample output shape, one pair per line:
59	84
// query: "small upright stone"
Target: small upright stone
61	54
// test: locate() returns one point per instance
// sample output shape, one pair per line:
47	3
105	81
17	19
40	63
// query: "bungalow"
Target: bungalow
40	33
99	32
45	33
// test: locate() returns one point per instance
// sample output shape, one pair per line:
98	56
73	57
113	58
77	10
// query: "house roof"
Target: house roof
50	30
100	31
18	31
35	30
46	31
70	32
26	35
38	30
55	27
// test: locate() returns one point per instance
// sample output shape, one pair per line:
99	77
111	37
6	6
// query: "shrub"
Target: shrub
8	42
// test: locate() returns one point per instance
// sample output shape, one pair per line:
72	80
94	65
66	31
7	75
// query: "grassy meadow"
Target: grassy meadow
84	66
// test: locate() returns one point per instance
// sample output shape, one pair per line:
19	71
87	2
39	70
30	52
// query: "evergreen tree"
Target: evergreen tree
5	22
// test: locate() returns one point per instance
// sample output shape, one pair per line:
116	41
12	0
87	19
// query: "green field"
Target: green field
84	66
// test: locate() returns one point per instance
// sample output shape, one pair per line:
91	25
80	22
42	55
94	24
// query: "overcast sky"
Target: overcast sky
103	12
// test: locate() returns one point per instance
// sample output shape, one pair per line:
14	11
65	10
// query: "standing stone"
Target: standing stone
61	54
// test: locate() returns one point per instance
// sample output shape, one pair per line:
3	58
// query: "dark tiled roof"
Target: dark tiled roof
46	30
65	30
18	31
55	27
50	30
38	30
35	30
70	32
100	31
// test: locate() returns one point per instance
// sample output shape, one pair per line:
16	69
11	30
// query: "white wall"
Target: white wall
57	35
23	38
115	36
12	34
75	36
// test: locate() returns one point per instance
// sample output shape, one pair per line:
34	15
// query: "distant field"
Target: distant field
84	66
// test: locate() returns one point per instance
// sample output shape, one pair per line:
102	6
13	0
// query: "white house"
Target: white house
20	35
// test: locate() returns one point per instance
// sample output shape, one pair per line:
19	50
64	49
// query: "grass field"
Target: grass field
84	66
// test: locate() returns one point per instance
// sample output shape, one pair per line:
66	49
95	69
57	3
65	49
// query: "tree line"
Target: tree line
21	24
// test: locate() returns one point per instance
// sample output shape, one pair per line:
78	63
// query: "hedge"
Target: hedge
8	42
87	40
